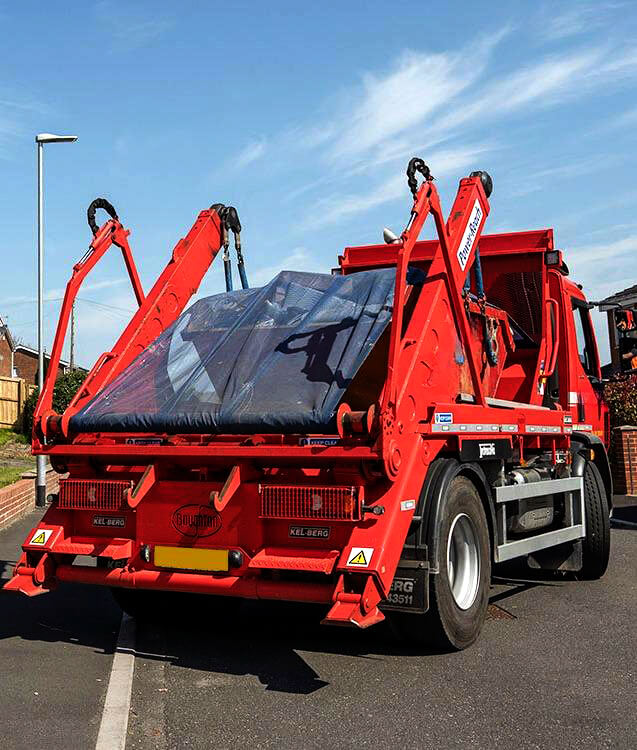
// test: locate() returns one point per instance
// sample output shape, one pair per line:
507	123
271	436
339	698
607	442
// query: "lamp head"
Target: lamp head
52	138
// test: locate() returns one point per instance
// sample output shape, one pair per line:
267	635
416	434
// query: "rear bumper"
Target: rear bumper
26	581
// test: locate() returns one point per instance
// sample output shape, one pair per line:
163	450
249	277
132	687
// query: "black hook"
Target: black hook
90	213
417	165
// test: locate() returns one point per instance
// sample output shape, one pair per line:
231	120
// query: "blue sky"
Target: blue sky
304	117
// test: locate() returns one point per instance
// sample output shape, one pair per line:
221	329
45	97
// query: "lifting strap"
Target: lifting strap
488	331
230	221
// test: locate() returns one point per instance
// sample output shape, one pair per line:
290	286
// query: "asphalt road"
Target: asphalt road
556	667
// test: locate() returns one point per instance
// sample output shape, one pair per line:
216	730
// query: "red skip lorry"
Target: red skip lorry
373	440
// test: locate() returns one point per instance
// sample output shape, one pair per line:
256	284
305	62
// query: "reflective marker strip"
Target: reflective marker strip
532	428
583	427
542	428
474	428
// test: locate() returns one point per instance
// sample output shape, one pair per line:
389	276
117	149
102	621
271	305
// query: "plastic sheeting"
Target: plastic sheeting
274	359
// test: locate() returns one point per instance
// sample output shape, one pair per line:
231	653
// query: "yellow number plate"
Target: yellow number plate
187	558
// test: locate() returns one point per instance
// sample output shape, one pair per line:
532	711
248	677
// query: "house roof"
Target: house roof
625	298
34	352
4	329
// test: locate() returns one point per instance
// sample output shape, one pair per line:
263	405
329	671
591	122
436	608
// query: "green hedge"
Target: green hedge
66	387
621	396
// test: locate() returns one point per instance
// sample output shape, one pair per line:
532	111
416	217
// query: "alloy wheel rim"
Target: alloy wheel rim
463	561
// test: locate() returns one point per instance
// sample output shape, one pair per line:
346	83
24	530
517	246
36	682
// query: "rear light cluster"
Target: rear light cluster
92	494
309	503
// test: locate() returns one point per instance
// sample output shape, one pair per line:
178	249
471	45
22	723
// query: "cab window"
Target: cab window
584	333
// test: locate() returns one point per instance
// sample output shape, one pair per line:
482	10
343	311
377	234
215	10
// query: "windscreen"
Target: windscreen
273	359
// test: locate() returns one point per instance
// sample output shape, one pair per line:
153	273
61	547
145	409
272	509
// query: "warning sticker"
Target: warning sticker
360	557
41	536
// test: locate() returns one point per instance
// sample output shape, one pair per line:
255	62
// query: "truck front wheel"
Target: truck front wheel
596	543
459	593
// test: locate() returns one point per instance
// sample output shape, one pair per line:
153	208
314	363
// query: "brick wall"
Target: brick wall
624	460
19	498
5	357
26	366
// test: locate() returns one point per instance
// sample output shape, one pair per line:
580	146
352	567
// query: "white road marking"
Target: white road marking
114	724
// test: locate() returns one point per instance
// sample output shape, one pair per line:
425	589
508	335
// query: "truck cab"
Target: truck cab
580	386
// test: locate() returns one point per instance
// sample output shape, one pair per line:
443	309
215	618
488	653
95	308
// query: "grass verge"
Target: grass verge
9	436
10	474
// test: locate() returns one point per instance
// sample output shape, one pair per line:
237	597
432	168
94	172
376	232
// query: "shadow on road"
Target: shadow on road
216	635
259	638
624	516
264	638
84	615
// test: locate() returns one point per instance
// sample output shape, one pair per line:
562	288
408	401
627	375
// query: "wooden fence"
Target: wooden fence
13	394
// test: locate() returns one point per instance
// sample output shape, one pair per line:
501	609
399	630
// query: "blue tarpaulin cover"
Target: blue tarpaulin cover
273	359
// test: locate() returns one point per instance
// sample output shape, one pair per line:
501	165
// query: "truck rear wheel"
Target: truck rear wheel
144	604
136	603
459	593
596	543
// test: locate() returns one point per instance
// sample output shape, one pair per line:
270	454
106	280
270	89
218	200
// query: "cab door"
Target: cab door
584	377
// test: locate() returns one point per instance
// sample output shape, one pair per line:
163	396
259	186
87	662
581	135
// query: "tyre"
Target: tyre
136	603
596	543
165	605
459	593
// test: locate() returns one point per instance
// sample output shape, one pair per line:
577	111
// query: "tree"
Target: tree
66	387
621	396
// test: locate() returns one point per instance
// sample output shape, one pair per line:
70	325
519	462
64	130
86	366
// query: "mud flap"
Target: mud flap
409	591
565	557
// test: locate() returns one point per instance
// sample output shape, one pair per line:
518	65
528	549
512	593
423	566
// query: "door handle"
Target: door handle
555	335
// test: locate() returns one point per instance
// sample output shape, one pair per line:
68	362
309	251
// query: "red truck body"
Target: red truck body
487	388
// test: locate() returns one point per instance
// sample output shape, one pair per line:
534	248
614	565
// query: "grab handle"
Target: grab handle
555	330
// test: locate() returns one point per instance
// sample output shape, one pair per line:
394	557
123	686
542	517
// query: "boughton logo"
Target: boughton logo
196	520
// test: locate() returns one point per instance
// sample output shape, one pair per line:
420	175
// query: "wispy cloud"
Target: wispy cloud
419	85
627	118
555	25
606	251
15	112
537	179
541	84
250	153
129	27
334	208
55	294
434	105
300	257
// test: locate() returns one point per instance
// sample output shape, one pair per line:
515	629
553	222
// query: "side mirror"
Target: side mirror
598	383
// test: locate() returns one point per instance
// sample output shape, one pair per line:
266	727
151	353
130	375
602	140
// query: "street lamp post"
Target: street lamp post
41	139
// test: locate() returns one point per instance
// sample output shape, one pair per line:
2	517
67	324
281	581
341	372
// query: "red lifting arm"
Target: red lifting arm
452	260
180	279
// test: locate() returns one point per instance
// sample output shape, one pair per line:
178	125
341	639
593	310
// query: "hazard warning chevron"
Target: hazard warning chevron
360	557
